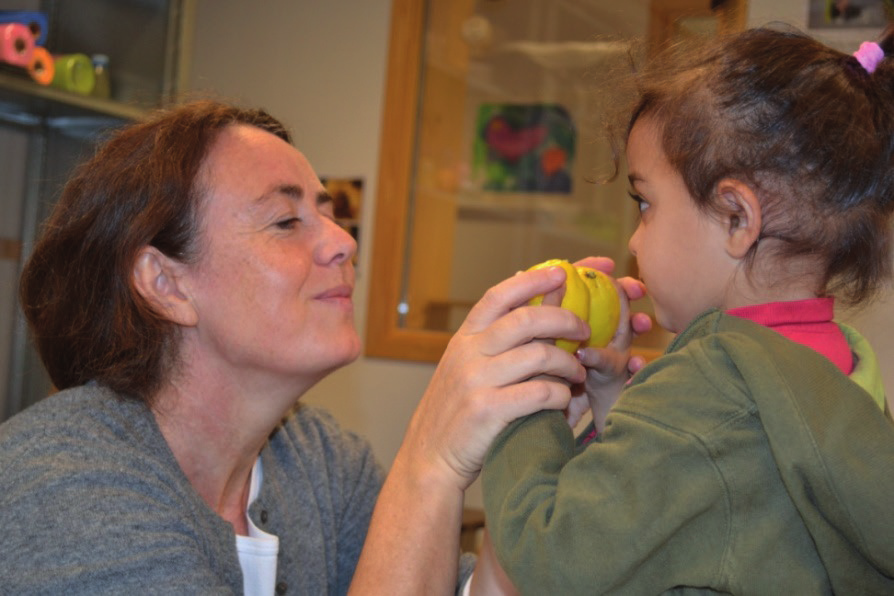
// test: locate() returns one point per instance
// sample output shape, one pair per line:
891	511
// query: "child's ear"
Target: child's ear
157	279
741	210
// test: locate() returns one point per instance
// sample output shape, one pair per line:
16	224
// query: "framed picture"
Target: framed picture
524	148
829	14
347	200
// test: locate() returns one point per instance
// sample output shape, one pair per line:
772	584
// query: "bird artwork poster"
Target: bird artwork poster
524	148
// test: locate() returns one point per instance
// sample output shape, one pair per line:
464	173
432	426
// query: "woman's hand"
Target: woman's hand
492	373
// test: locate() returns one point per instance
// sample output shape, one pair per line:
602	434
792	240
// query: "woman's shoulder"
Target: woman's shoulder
89	488
90	412
83	431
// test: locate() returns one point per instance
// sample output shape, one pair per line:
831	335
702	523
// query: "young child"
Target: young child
755	456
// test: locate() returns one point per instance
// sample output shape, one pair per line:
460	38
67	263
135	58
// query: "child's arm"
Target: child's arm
489	578
609	368
604	519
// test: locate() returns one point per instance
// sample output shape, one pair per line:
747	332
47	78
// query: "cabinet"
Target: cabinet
45	132
447	228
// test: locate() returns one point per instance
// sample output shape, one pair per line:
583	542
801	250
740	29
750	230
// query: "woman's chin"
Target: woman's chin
346	353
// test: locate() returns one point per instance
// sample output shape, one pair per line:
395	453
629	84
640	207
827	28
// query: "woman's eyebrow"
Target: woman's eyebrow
293	191
324	197
290	190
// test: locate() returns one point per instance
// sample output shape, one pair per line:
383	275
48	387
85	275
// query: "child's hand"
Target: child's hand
609	368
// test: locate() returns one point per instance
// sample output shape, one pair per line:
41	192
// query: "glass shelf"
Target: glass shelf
27	103
45	132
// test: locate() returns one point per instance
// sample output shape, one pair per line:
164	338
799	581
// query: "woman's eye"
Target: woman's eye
288	223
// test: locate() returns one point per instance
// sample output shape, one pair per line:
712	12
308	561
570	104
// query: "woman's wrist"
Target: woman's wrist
421	468
417	519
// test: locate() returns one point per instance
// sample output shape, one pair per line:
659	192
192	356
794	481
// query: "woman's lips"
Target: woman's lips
340	291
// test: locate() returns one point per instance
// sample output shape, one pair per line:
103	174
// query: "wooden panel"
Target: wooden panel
731	16
432	236
10	249
385	338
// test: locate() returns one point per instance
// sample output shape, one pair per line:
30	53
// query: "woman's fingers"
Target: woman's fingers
458	418
527	323
533	395
510	294
532	359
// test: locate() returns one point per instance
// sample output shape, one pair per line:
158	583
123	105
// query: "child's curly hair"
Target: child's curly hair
806	126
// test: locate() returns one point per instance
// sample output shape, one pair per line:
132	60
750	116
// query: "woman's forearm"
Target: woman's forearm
412	546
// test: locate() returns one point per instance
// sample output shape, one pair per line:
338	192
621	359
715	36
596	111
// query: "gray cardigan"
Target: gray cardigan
92	501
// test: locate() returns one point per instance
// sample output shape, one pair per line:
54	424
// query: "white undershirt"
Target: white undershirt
258	550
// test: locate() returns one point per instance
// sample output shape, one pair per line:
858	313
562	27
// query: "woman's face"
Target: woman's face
273	280
679	250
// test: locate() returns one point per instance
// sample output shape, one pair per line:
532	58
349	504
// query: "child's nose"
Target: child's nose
633	242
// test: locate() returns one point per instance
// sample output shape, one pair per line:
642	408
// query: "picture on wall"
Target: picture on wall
523	148
849	13
347	200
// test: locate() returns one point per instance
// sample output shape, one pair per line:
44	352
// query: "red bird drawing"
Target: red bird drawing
511	144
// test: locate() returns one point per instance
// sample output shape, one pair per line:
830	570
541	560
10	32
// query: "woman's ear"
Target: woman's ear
157	277
741	212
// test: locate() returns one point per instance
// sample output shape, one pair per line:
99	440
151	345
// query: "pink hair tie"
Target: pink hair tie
869	55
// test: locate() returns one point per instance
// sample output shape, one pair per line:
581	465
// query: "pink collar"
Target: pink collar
807	322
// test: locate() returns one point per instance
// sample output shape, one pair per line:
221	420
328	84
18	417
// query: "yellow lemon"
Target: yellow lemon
605	307
576	298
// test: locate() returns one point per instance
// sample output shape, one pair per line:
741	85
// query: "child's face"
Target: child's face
679	249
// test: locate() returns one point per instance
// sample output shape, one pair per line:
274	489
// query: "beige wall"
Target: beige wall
320	66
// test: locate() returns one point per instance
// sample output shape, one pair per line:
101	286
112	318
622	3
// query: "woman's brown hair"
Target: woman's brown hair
802	123
139	189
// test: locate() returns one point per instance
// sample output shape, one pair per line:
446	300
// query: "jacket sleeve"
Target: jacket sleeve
622	514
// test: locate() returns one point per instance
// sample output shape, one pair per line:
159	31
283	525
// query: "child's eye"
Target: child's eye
641	203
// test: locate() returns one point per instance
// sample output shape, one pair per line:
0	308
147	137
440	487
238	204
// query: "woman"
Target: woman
190	285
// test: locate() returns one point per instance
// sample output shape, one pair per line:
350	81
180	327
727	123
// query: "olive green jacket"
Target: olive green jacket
739	462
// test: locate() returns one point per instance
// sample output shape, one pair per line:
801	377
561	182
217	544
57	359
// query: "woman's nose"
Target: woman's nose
337	245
